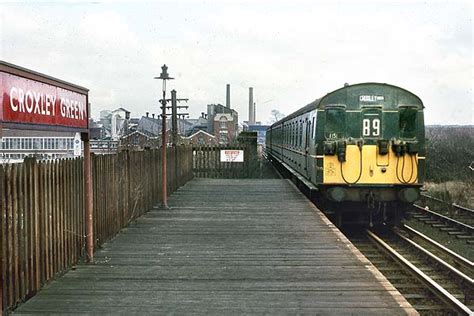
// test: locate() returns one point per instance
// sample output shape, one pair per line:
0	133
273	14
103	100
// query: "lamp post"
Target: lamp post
164	76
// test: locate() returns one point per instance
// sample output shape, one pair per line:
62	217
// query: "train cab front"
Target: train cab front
372	157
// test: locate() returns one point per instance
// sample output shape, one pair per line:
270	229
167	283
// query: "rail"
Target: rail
457	206
458	259
463	208
434	287
432	256
444	218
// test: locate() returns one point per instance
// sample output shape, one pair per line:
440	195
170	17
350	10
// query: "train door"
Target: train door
307	142
270	140
311	156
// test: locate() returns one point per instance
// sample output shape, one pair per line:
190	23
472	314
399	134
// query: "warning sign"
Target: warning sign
230	155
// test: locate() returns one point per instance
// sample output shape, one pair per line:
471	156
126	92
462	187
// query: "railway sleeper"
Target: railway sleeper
389	269
455	233
448	229
421	216
434	308
415	296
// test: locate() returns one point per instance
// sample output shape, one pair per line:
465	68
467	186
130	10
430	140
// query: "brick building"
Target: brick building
202	138
225	128
214	113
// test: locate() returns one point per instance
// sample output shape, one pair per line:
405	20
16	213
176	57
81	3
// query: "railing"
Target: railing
207	162
42	227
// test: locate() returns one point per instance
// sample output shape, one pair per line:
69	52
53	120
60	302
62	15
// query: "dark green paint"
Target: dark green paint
349	96
340	116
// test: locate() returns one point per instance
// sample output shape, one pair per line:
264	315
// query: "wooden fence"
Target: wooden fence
42	226
207	162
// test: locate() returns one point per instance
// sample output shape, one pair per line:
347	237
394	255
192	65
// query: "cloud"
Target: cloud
291	53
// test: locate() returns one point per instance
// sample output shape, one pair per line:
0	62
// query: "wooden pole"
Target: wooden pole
88	196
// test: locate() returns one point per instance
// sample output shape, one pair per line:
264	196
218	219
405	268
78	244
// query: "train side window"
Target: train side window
293	141
308	133
290	133
407	122
295	133
287	134
301	133
297	140
314	128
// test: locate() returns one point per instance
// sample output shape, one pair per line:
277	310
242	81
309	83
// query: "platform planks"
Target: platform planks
226	247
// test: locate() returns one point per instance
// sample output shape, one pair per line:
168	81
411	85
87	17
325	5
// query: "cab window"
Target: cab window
407	122
335	122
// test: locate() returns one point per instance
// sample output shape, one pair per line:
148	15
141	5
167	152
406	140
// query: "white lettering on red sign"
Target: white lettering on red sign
33	102
72	109
42	104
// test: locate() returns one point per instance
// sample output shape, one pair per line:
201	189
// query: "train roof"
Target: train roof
362	95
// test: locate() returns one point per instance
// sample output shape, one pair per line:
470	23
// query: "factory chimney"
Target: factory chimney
227	96
254	113
251	107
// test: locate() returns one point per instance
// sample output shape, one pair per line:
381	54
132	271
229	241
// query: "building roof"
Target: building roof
150	126
121	110
219	108
203	132
138	133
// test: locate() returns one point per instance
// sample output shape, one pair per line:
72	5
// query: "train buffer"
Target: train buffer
226	247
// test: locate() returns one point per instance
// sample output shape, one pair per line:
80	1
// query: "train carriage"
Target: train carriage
359	149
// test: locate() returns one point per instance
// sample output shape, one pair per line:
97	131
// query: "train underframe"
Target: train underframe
366	214
366	205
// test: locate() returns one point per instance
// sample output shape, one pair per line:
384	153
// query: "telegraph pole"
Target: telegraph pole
174	115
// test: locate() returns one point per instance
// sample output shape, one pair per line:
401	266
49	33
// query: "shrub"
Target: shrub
450	153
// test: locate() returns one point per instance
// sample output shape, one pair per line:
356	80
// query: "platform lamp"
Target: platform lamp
164	76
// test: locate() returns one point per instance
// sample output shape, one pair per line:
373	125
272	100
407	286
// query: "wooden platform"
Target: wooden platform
226	247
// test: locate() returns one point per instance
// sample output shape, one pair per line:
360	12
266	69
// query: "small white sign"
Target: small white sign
371	98
231	155
77	145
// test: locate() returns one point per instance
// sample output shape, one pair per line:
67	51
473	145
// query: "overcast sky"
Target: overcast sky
291	52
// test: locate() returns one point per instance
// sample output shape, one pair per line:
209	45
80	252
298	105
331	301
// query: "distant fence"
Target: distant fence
207	162
42	226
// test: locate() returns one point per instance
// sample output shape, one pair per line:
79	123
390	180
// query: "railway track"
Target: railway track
457	221
455	211
433	279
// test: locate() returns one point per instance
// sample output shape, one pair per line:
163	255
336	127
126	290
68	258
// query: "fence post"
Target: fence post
88	196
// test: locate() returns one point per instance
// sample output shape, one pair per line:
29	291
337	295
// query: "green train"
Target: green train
358	151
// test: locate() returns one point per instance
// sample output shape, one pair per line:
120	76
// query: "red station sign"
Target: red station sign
34	100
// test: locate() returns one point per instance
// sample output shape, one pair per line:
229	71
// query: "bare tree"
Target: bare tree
276	116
